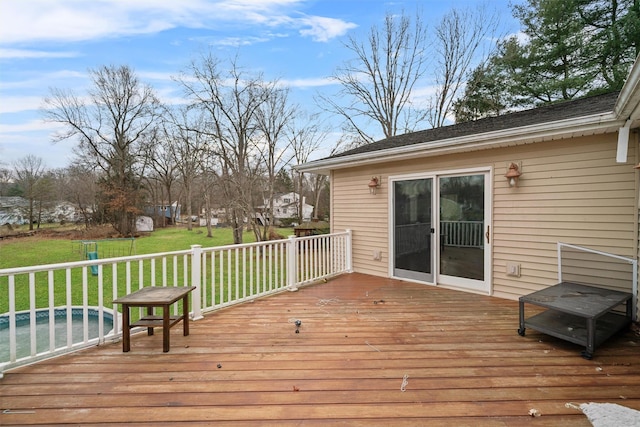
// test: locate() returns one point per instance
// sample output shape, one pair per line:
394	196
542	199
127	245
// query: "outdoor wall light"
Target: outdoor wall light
513	174
374	184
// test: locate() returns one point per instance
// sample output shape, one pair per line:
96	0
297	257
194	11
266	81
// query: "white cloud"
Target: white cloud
308	83
28	126
17	104
80	20
27	53
40	80
323	29
155	75
238	41
74	20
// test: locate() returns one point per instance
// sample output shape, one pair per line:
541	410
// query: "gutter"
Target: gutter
628	108
628	103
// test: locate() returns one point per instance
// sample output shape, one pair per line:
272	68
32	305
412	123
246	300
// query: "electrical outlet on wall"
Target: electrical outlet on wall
513	269
377	255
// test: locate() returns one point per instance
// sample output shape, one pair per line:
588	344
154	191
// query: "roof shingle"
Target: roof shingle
548	113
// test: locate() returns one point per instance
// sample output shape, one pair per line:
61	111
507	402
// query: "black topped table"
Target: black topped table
580	314
150	297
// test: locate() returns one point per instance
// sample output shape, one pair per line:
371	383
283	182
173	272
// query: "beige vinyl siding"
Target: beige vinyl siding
352	207
571	190
591	268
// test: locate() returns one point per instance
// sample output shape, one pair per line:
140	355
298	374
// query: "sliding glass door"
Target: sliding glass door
464	232
413	229
440	229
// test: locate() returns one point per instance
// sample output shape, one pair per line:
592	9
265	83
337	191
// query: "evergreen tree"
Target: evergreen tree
554	63
485	95
572	48
284	183
614	29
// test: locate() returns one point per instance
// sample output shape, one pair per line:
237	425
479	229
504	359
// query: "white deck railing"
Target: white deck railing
588	266
222	275
468	234
412	238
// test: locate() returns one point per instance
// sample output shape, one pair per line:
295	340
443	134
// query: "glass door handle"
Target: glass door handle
488	233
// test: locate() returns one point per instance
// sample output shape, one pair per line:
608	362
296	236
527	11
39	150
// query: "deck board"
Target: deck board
360	335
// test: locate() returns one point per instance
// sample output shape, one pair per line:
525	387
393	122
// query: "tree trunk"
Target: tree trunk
237	227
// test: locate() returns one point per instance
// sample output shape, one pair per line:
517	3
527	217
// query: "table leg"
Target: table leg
126	332
149	313
521	330
165	328
185	315
591	339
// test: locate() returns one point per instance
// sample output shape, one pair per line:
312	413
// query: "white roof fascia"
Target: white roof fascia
628	103
587	125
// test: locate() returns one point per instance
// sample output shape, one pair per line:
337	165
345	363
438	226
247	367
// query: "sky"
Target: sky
47	44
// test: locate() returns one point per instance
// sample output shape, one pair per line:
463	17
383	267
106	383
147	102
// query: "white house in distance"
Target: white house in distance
14	210
285	206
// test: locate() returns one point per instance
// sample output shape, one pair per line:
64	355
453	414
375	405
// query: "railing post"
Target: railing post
12	319
292	264
348	248
196	280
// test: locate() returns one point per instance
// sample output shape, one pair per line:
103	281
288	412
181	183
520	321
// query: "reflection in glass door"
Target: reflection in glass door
462	230
413	228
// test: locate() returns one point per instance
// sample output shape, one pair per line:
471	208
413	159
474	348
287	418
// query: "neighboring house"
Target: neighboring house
15	210
63	211
167	210
218	217
453	185
285	206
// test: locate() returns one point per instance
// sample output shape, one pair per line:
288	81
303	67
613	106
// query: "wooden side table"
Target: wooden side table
150	297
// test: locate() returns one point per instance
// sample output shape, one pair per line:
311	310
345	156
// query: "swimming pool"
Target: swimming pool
23	334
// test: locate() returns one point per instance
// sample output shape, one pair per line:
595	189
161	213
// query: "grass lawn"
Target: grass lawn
38	250
47	248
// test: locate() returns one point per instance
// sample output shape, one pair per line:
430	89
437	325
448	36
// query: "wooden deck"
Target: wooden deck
460	356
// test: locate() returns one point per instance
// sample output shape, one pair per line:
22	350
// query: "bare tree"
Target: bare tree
377	83
189	145
460	36
29	172
45	193
272	118
230	100
164	162
5	180
77	184
112	124
307	134
209	185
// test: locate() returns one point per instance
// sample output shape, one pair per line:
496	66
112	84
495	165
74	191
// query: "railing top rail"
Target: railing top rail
317	236
103	261
593	251
461	222
76	264
269	242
